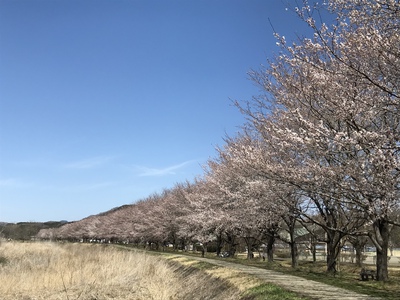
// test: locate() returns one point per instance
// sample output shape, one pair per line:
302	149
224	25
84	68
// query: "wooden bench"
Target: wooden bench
366	274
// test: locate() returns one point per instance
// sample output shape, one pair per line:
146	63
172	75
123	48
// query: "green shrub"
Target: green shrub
270	291
3	260
282	253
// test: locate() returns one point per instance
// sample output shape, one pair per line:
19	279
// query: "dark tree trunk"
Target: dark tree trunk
203	249
183	245
219	244
270	246
231	242
381	240
333	250
382	264
358	243
313	249
331	261
359	255
294	254
250	244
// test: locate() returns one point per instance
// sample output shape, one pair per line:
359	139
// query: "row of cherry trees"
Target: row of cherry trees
320	150
328	124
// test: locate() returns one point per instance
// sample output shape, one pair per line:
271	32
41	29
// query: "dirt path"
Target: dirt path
309	288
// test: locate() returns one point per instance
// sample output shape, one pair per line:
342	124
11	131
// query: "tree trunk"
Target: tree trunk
183	245
382	264
219	243
203	249
250	243
313	249
333	251
231	241
381	240
331	262
359	254
270	247
358	243
294	254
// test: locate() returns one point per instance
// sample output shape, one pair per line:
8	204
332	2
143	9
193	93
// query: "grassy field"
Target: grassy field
52	271
30	271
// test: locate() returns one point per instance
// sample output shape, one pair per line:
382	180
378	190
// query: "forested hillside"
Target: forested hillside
26	230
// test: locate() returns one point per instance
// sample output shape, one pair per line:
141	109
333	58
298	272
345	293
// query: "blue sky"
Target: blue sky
103	103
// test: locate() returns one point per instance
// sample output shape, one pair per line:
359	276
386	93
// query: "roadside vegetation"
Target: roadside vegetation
348	277
250	287
83	271
69	271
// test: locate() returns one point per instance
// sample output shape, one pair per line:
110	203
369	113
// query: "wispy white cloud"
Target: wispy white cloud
67	188
89	163
19	184
171	170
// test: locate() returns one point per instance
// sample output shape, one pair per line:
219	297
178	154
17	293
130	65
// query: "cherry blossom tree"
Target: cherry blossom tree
150	224
292	201
331	109
161	217
176	206
254	210
203	217
210	219
46	233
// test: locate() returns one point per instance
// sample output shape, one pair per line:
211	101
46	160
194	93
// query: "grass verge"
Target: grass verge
270	292
348	278
250	288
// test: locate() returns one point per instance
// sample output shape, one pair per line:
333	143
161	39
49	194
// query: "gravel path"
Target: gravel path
309	288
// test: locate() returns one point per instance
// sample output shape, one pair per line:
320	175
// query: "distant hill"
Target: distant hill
26	230
116	223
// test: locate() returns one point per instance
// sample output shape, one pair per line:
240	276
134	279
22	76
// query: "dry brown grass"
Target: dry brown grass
236	278
33	271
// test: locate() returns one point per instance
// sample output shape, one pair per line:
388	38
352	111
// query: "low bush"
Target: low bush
3	260
282	254
270	292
